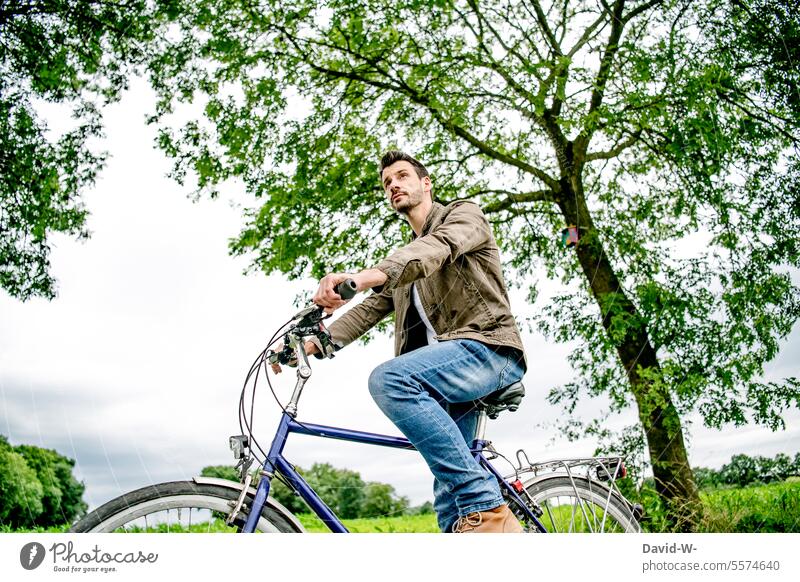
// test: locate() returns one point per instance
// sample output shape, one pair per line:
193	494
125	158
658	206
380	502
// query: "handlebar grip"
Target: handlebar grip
347	289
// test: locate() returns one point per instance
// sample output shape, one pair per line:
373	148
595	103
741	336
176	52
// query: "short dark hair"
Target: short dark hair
393	156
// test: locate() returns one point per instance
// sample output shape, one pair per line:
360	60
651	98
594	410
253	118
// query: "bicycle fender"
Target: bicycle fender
594	485
577	478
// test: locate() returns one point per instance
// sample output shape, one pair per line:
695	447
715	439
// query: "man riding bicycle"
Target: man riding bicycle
455	340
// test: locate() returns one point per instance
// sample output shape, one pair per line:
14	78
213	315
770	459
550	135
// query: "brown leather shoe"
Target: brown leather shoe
497	520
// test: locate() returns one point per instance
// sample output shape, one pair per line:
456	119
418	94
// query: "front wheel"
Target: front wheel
182	507
580	505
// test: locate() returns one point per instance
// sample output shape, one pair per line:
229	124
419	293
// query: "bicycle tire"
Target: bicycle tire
126	512
587	507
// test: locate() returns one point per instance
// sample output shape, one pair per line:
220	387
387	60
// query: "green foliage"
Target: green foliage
747	495
421	523
20	490
75	54
37	488
754	509
682	147
380	500
341	489
424	509
743	470
770	508
62	498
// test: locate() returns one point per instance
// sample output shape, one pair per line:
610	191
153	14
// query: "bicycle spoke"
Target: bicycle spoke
572	516
574	504
550	515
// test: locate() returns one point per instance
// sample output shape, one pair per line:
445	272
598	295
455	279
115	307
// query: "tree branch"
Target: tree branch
482	20
513	198
792	138
587	35
603	74
616	150
493	64
447	124
641	8
541	18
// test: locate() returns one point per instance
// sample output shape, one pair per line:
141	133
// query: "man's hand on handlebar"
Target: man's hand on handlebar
326	295
310	348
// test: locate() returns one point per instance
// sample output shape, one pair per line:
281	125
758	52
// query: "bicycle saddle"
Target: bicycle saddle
507	398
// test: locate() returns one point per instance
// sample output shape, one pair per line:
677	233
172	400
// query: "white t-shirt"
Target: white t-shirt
429	333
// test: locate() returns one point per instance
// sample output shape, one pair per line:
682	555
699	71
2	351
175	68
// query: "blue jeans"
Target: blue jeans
428	395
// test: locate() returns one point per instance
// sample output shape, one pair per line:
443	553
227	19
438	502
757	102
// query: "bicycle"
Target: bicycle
562	495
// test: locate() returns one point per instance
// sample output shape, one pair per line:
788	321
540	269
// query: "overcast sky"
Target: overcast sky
135	369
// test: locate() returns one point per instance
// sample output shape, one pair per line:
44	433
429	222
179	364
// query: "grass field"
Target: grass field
759	508
400	524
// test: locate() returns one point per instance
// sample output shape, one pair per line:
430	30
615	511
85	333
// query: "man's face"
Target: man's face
404	189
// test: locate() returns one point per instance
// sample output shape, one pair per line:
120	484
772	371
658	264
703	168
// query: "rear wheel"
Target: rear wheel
579	505
179	507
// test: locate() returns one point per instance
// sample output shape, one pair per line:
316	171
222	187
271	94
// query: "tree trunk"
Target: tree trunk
673	475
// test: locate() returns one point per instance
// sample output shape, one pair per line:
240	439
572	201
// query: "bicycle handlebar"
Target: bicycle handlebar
309	322
347	289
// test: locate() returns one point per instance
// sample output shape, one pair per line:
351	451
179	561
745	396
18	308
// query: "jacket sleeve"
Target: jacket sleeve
358	320
463	230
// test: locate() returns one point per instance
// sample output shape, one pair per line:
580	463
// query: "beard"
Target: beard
411	200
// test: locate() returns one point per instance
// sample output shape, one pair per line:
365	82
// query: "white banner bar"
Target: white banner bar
400	557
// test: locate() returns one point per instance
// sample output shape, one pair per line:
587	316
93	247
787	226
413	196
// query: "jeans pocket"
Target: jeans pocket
504	372
512	371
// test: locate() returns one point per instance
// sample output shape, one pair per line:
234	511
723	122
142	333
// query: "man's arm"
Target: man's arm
465	229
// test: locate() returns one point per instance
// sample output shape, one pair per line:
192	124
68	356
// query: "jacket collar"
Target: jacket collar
433	216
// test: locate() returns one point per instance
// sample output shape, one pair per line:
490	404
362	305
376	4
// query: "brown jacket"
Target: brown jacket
455	265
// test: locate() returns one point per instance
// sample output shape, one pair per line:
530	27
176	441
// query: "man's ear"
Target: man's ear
427	185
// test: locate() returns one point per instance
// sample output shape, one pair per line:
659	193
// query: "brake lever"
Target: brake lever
305	312
314	313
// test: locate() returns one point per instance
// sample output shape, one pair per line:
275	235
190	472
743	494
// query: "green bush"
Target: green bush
21	492
343	490
773	508
762	508
424	509
743	470
37	488
62	495
381	500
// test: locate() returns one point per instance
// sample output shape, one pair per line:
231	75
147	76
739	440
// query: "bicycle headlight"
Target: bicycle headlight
238	445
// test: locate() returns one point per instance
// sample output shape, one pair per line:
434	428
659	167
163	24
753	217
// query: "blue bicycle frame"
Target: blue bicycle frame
275	461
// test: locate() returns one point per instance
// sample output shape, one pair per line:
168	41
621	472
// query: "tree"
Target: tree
37	487
20	490
674	157
382	500
62	494
74	53
424	509
351	498
343	490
